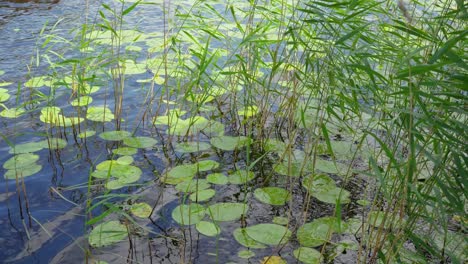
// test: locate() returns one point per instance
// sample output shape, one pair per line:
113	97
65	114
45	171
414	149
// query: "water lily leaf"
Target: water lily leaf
272	195
333	196
192	185
242	238
25	171
245	254
190	126
179	174
127	173
294	169
275	145
107	233
27	147
223	212
352	226
99	114
142	210
87	134
140	142
229	143
83	100
202	195
4	97
125	160
214	128
280	220
241	177
269	234
329	166
273	260
208	228
217	178
125	151
188	214
12	112
38	81
248	111
190	147
20	161
206	165
318	183
171	117
308	255
54	143
317	232
115	135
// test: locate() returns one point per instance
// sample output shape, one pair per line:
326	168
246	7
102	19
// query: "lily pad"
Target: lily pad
12	112
20	161
54	143
107	233
229	143
126	151
191	147
329	166
4	97
217	178
292	170
38	81
190	214
115	135
242	238
317	232
87	134
27	147
269	234
192	185
206	165
179	174
333	196
245	254
25	171
208	228
140	142
222	212
83	100
99	114
125	160
272	195
318	183
308	255
280	220
202	195
241	177
142	210
273	260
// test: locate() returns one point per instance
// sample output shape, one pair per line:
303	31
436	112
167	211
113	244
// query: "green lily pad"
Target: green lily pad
206	165
292	170
142	210
269	234
125	160
275	145
4	97
99	114
115	135
222	212
38	81
127	173
87	134
202	195
192	185
126	151
248	111
308	255
272	195
54	143
140	142
83	100
318	183
20	161
333	196
107	234
12	112
25	171
27	147
246	254
191	147
217	178
280	220
317	232
188	214
241	177
240	234
229	143
329	166
179	174
208	228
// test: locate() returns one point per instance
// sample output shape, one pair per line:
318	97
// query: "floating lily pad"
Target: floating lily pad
87	134
308	255
242	238
83	100
269	234
214	128
107	233
115	135
142	210
4	97
206	165
273	260
280	220
329	166
229	143
293	169
38	81
190	126
275	145
222	212
190	214
333	196
54	143
241	177
125	160
25	171
246	254
27	147
318	183
217	178
317	232
20	161
202	195
190	147
179	174
248	111
192	185
272	195
140	142
208	228
12	112
126	151
99	114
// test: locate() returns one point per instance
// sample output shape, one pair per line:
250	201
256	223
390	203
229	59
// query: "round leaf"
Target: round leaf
308	255
272	195
107	233
270	234
208	228
241	236
140	142
221	212
188	214
241	177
